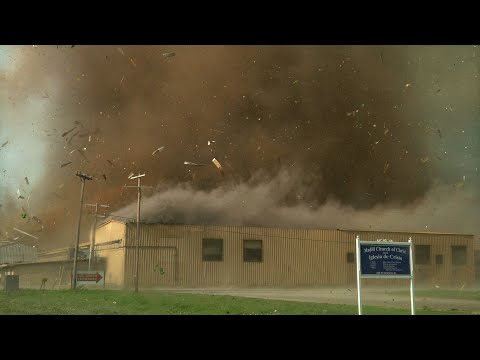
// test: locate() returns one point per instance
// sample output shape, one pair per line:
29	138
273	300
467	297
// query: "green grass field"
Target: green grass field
98	302
446	294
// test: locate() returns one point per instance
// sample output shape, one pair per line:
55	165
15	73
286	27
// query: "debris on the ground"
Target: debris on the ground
5	143
192	164
68	132
68	163
385	167
90	138
61	186
168	55
439	133
26	180
133	63
130	175
109	162
121	51
25	233
211	142
37	220
160	149
104	176
423	160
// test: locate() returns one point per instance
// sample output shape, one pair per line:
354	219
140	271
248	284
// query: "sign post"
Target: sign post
384	260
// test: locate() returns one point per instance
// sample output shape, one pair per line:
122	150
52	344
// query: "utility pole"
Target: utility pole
92	243
137	244
83	178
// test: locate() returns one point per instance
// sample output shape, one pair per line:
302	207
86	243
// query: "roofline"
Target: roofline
406	232
293	228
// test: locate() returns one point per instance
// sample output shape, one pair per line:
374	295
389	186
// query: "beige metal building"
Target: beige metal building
230	256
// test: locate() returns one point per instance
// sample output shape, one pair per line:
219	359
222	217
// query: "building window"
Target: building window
350	257
422	254
252	250
212	249
439	259
459	255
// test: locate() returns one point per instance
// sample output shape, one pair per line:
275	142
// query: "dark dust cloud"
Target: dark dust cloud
381	137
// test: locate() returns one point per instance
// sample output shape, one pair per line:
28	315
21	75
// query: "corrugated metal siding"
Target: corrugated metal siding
291	257
17	253
58	274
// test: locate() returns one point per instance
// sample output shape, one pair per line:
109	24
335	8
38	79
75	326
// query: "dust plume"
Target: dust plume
342	121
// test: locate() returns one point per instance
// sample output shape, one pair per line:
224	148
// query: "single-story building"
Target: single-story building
239	256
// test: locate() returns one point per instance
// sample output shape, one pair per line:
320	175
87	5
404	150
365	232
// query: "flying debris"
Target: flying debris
25	233
26	180
83	155
221	132
423	160
160	149
75	134
218	165
68	163
193	164
168	55
68	132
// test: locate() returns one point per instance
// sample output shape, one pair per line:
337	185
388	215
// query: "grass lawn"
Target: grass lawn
104	302
446	294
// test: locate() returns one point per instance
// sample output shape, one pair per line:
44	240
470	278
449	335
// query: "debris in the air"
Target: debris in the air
75	134
104	176
25	233
217	164
133	63
192	164
121	51
5	143
68	163
439	133
26	180
423	160
160	149
68	132
110	162
83	155
385	167
221	132
168	55
37	220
